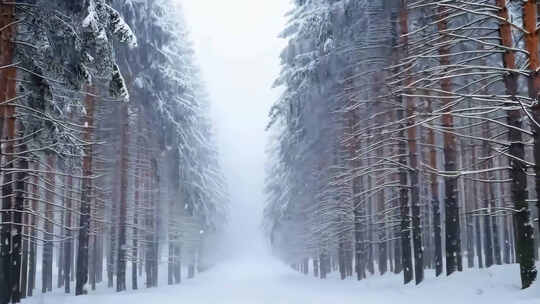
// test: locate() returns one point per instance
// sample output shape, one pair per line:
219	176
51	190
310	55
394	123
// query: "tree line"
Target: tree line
407	138
108	157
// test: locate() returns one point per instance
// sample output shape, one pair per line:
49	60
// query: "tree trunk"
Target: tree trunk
121	260
61	251
47	259
453	239
478	235
404	230
178	265
111	258
155	223
380	217
357	207
323	267
174	246
413	155
86	197
26	231
524	231
488	198
435	195
134	282
470	204
34	232
17	235
95	256
7	116
68	244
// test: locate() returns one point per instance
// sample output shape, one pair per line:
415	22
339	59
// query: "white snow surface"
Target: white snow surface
271	282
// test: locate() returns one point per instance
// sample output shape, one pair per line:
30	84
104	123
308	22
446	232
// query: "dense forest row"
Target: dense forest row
108	158
407	138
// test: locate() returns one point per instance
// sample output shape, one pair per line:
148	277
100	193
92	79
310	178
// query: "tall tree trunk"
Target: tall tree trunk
405	217
470	200
34	232
121	260
26	230
86	196
453	239
507	246
155	198
356	189
68	245
406	259
174	246
94	264
7	116
113	235
413	154
47	257
524	231
525	249
135	259
435	198
178	265
368	257
507	242
402	254
380	216
496	234
60	255
478	234
17	236
148	225
488	198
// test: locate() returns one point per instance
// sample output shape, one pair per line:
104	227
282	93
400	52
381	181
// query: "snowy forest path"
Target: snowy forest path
268	281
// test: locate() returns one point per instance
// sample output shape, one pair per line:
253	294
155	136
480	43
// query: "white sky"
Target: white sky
238	50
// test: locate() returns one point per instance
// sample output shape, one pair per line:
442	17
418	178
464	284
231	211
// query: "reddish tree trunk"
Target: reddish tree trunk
453	239
7	132
86	196
413	155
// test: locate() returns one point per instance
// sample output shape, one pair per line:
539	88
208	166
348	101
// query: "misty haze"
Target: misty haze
269	151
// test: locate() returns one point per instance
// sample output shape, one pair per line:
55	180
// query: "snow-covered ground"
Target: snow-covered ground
270	282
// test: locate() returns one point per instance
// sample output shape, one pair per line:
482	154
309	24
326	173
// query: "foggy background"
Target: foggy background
237	47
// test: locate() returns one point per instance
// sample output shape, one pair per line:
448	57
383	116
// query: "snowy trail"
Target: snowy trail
270	282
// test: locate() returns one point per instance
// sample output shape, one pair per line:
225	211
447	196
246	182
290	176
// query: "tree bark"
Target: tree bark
68	245
453	239
47	258
86	196
413	155
17	235
34	232
124	141
488	199
7	116
523	230
134	282
26	230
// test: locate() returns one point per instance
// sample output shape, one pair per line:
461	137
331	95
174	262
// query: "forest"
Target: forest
109	164
393	156
407	138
